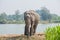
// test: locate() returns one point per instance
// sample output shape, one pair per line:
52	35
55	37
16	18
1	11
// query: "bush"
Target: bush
53	33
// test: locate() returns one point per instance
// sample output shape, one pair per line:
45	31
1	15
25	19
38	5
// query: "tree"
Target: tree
3	17
45	14
54	17
17	15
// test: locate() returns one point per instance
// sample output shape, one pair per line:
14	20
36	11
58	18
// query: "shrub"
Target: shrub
53	33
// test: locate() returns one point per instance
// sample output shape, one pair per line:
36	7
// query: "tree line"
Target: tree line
45	16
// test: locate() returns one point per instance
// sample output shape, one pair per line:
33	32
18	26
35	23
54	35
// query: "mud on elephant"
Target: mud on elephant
31	21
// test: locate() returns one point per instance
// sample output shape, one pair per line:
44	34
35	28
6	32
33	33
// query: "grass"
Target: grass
53	33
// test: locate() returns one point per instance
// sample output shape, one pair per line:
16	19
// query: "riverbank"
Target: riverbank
37	36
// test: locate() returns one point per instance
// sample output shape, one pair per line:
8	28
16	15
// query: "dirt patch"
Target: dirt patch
37	36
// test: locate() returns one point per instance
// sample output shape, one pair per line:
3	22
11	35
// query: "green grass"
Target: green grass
53	33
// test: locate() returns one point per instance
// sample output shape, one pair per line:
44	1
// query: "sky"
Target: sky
10	6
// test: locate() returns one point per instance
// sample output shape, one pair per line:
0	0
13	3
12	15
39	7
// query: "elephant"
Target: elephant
31	19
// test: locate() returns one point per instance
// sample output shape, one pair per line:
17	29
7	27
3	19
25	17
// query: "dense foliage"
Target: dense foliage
53	33
18	17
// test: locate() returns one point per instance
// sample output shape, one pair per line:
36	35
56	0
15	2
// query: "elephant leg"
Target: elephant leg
25	32
28	30
27	27
31	29
35	26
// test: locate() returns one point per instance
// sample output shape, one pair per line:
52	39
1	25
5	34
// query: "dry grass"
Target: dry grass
39	36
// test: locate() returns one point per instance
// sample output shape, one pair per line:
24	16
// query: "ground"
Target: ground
37	36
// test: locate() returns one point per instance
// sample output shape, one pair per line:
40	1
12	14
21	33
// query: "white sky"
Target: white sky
10	6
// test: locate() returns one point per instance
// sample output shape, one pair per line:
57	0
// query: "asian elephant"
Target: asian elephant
31	21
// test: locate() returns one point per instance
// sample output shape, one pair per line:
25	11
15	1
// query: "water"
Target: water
19	28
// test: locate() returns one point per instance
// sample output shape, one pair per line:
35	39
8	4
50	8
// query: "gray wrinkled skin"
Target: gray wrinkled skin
31	21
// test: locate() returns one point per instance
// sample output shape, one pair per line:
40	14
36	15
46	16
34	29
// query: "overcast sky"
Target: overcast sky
10	6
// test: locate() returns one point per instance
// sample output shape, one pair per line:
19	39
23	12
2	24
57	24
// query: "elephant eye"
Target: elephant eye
28	13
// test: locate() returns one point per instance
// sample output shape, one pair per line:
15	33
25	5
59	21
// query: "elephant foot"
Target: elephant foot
27	34
31	34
